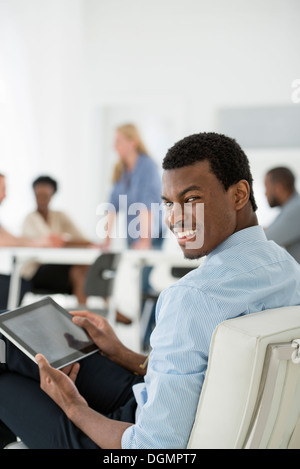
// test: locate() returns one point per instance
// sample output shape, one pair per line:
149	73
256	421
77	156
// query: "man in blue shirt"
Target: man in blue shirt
210	208
281	192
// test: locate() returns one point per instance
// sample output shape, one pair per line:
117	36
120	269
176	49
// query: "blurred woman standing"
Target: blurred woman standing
137	185
137	192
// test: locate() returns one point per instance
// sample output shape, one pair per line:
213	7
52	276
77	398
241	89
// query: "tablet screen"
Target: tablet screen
46	328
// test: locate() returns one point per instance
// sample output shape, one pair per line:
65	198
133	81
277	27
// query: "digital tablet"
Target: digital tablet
45	327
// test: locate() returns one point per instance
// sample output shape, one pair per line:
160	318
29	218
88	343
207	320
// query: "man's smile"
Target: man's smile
184	236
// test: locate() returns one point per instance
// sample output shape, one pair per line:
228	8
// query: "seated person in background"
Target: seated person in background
45	222
9	240
116	402
281	192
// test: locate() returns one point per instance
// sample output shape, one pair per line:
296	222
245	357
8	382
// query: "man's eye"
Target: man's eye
168	204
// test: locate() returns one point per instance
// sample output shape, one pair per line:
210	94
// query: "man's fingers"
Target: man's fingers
46	371
88	325
45	368
81	313
41	361
84	313
74	372
93	317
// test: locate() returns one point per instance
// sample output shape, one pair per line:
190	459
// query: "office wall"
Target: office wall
70	69
41	108
203	56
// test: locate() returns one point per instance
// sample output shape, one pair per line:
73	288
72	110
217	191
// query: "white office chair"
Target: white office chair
251	393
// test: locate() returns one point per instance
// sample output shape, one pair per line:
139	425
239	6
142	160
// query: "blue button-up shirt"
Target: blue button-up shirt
245	274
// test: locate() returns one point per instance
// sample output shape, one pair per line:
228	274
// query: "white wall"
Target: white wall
41	67
69	64
202	55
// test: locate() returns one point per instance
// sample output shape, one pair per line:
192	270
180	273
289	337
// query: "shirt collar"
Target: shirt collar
245	236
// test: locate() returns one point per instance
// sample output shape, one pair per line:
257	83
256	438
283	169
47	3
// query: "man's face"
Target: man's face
2	189
186	192
271	190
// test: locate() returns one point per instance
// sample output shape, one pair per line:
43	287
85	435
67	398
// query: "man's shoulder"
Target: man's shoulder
293	204
196	282
234	264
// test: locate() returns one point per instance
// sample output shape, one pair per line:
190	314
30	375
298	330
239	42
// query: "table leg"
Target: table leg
14	285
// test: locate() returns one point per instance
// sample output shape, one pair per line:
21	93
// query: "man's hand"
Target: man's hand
60	384
103	335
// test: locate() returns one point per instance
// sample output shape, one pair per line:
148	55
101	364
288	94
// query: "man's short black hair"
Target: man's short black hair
227	160
46	180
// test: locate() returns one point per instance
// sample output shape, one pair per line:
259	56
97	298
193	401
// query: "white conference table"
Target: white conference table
22	255
82	256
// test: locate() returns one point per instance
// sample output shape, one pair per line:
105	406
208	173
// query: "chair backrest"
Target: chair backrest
101	275
251	393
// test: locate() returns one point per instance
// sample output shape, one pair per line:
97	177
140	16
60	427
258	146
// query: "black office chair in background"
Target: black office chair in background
100	280
99	283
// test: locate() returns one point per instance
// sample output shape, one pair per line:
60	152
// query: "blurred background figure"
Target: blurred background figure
9	240
281	192
137	178
55	224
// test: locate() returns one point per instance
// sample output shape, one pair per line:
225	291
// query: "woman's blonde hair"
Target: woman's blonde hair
130	131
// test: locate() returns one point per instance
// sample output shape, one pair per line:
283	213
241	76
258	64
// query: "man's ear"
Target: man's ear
241	194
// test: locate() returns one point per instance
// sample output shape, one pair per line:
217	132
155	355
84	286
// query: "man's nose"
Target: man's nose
176	215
